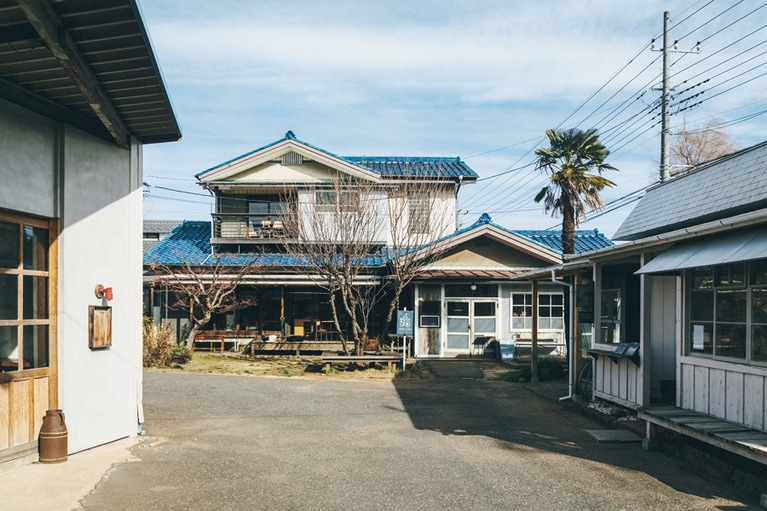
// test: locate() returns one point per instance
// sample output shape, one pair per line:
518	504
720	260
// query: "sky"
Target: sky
481	80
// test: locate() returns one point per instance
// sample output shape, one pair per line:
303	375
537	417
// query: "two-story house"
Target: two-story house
284	203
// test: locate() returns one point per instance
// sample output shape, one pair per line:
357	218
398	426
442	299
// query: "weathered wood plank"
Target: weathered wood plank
701	389
717	392
734	399
753	407
21	412
40	403
5	415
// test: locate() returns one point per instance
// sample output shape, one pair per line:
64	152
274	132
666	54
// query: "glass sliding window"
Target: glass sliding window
727	312
24	321
551	311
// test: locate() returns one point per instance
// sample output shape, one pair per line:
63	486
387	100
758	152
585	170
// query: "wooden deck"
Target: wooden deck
295	347
730	436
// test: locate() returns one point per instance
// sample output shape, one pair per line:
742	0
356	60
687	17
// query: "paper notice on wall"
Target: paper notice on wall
697	337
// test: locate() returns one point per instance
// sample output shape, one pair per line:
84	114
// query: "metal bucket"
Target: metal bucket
53	438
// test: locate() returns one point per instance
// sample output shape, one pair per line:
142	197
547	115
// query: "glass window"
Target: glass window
727	312
35	346
9	245
418	215
24	277
9	308
35	248
35	297
550	311
611	316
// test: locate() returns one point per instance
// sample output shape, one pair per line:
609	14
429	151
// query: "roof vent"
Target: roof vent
292	158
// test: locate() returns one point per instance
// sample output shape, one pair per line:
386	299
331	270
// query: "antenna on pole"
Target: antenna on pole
665	148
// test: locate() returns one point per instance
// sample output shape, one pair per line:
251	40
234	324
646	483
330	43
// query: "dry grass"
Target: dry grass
223	363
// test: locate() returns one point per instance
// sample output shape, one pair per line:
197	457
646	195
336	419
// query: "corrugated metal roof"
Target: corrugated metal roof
390	166
725	187
160	226
88	63
466	274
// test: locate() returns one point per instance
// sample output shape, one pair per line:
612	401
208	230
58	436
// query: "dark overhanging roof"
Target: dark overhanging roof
87	63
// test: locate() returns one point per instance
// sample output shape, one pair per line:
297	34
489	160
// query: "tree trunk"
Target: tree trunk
337	323
568	229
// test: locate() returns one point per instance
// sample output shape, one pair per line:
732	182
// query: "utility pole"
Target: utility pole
665	151
665	99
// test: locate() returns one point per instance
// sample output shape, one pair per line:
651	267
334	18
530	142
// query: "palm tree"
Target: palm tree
572	157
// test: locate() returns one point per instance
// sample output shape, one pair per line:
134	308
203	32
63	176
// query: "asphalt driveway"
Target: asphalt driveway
453	442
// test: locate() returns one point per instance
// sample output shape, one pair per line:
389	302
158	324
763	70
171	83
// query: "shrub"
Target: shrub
180	354
160	348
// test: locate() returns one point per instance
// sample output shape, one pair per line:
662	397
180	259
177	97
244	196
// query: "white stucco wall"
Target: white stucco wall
94	188
99	244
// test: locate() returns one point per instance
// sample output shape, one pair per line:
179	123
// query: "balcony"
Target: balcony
239	228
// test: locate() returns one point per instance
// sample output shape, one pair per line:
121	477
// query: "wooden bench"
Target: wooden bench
357	359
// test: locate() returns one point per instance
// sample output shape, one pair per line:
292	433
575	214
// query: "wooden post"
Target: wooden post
534	346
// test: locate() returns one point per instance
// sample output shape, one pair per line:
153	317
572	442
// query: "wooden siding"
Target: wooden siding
617	381
733	392
22	407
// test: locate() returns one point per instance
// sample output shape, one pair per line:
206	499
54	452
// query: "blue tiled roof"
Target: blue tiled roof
585	240
189	243
413	166
390	166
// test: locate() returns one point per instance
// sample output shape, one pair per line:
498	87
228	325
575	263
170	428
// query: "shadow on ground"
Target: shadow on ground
461	400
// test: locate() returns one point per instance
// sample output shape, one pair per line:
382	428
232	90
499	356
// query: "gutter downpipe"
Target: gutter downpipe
570	339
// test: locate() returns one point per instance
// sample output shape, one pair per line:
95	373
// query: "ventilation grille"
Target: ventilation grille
292	158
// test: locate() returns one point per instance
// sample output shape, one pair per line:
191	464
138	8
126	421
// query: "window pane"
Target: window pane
9	308
517	323
557	299
730	341
701	336
731	305
702	278
730	274
35	248
484	325
457	309
758	273
759	305
759	343
35	346
484	309
557	312
544	299
9	348
9	245
35	297
557	323
702	305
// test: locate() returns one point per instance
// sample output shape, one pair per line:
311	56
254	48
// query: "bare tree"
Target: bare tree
333	231
420	212
205	290
693	147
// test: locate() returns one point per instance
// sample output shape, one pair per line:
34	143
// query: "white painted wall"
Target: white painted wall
100	243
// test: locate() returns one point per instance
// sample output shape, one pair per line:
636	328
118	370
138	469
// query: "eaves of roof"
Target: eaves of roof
376	167
86	64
